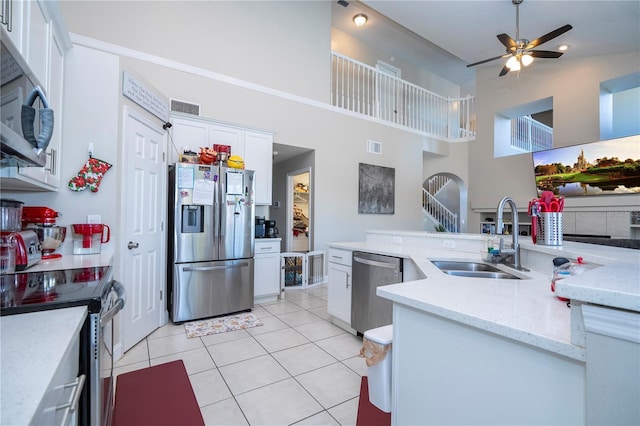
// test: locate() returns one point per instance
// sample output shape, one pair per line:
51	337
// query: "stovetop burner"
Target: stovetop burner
36	291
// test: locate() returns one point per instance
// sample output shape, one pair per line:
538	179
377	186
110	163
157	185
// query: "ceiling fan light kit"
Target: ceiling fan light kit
519	51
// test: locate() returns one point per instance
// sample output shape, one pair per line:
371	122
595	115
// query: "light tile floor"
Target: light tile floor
297	368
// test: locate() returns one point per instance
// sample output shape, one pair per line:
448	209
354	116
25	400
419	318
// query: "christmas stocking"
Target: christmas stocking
90	175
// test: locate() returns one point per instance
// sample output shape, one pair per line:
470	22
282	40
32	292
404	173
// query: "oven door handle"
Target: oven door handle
117	306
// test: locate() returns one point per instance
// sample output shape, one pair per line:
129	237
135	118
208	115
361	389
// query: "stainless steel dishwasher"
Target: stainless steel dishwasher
370	271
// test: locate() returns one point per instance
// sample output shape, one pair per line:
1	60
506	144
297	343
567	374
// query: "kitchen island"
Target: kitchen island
475	350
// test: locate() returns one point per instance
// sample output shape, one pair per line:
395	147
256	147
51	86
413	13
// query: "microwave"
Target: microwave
26	120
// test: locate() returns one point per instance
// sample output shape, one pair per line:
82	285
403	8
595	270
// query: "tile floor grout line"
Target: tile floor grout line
310	300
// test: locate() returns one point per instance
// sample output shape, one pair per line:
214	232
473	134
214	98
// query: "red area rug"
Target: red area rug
369	414
159	395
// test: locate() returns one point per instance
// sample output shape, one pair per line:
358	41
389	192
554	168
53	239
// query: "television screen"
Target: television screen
600	168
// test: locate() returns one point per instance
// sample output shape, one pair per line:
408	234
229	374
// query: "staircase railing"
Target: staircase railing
366	90
436	183
439	212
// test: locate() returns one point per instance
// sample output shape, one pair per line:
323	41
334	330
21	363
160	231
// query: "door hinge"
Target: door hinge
163	159
161	294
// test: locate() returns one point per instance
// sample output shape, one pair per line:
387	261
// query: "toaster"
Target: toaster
28	249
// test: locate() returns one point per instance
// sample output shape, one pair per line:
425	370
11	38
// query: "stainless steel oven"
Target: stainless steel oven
104	298
103	385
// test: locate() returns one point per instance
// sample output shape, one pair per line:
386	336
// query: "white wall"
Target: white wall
91	112
281	44
339	140
574	85
347	45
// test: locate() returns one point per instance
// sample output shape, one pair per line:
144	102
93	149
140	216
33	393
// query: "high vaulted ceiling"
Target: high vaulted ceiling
445	36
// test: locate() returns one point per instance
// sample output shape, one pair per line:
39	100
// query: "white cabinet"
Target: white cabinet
224	135
188	134
255	147
55	407
258	156
12	20
339	287
37	40
40	35
266	263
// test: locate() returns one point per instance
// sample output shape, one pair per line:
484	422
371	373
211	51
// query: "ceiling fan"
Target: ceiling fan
519	51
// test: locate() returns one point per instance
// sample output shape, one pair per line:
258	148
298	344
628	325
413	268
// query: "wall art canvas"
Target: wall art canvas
610	167
376	193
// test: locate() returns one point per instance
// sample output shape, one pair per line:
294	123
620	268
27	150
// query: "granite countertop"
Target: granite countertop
33	346
520	309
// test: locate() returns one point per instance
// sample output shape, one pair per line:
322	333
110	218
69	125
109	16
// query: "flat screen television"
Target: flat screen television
610	167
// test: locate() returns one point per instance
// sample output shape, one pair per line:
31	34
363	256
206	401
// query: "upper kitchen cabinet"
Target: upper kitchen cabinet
258	156
34	27
37	30
12	20
253	145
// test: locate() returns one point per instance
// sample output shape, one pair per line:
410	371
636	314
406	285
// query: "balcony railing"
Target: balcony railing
530	135
363	89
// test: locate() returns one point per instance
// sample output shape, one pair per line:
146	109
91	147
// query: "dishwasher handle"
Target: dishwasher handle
375	263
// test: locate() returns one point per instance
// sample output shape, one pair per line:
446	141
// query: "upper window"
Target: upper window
619	107
529	133
524	128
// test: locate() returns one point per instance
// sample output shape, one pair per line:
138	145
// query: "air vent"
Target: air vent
374	147
187	108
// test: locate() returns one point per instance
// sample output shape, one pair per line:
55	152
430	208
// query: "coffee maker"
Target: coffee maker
270	229
260	229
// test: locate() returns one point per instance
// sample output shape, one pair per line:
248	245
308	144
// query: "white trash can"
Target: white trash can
376	348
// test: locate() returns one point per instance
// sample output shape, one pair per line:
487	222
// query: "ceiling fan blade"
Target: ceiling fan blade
545	38
544	54
504	71
488	60
508	42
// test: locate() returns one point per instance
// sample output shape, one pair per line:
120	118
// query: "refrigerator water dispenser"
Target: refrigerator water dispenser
192	219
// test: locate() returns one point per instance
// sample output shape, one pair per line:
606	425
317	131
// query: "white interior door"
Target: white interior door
143	258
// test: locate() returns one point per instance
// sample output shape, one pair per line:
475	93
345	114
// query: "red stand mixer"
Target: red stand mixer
42	221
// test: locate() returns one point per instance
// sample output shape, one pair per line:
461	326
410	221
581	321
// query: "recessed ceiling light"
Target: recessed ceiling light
360	19
563	47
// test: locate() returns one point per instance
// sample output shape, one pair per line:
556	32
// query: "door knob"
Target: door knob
132	245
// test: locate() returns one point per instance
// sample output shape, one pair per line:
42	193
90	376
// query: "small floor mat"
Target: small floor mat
160	396
220	325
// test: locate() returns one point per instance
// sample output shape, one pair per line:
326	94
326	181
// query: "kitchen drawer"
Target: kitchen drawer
267	246
64	386
341	256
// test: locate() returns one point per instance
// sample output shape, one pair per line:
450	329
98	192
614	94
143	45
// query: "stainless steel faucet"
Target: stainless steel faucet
515	246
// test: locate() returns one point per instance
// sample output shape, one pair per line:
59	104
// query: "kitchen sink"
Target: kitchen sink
464	266
482	274
471	269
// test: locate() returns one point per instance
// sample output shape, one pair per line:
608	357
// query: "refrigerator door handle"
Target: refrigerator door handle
215	268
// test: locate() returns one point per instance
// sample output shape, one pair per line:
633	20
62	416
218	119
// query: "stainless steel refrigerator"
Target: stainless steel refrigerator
211	241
